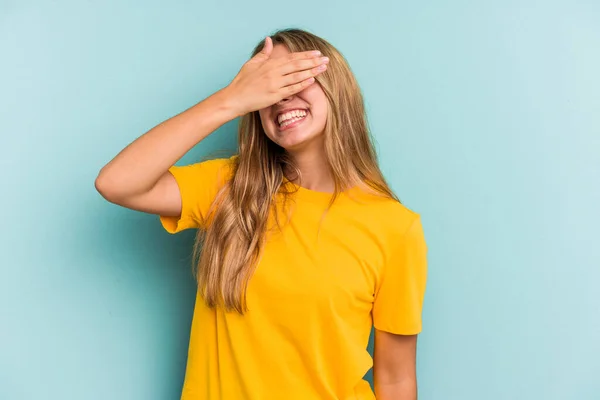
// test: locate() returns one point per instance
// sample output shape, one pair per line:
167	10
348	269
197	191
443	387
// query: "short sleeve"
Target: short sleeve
400	290
198	186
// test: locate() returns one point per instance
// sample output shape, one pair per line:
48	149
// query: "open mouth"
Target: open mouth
288	118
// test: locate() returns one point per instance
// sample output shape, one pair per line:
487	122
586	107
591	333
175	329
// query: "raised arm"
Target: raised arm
138	177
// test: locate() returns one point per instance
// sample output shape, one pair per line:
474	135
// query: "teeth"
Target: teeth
289	121
289	115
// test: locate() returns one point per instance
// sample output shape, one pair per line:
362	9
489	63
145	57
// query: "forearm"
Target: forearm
139	166
402	390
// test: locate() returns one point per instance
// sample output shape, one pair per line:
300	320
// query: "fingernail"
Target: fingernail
316	53
325	59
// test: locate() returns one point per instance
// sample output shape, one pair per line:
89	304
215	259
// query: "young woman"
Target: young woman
302	247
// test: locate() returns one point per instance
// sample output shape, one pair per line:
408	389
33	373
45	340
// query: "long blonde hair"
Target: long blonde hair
227	251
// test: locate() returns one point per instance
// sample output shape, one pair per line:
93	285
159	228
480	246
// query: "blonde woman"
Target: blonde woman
302	247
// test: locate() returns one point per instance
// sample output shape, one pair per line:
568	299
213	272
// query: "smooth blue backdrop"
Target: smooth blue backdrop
487	118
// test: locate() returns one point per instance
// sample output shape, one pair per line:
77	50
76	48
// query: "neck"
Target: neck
315	171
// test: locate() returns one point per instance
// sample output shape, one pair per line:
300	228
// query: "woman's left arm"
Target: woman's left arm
394	366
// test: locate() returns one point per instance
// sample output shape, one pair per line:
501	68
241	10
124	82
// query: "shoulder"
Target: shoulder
388	214
391	223
223	167
226	164
397	219
217	169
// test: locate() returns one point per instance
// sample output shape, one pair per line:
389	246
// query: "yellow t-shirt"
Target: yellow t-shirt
311	301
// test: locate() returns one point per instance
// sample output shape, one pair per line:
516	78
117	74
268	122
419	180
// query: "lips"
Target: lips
291	123
286	111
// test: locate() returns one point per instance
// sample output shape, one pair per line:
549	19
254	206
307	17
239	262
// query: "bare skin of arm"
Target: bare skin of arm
138	176
394	366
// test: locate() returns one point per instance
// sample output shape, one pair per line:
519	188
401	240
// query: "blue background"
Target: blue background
487	120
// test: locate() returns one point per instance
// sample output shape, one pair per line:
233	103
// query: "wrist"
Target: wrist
228	103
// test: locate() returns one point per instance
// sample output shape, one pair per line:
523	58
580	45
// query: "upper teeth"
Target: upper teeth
289	115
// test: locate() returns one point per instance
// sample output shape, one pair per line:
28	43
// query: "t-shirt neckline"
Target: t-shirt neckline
314	196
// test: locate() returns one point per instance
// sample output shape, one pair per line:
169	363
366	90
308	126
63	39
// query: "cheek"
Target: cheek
319	108
320	113
266	121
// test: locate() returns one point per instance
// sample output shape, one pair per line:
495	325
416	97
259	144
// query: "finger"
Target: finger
265	53
301	76
301	65
297	87
268	47
301	55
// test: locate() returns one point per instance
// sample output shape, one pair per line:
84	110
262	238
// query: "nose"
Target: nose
285	100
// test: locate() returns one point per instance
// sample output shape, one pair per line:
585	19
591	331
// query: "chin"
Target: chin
297	141
297	138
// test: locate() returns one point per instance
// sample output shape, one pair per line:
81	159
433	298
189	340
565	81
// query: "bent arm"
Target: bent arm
138	176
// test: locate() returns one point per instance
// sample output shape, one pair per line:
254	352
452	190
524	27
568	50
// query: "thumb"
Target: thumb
265	53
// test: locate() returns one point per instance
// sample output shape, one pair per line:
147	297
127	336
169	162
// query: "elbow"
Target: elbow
107	188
